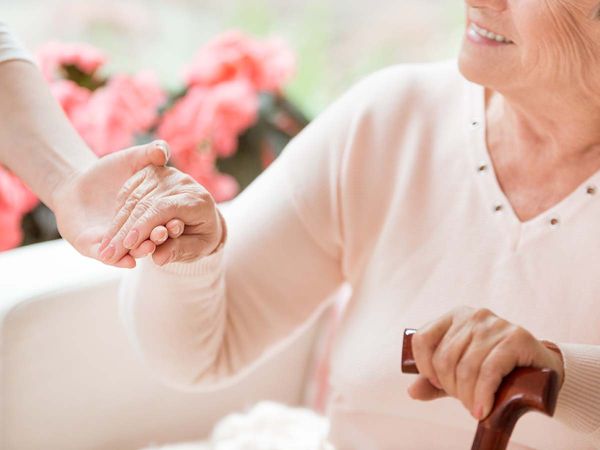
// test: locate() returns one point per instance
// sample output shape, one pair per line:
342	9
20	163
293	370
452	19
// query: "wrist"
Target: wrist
223	228
62	180
559	361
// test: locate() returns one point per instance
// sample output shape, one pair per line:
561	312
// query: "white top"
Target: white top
10	47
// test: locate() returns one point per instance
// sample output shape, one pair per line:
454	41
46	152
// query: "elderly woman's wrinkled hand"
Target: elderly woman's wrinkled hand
466	354
163	207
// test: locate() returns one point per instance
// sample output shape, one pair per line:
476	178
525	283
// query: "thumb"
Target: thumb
155	153
422	389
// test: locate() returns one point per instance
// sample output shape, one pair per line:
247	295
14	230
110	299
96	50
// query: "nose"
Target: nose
495	5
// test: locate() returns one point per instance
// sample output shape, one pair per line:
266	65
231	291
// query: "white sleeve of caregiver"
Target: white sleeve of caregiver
10	47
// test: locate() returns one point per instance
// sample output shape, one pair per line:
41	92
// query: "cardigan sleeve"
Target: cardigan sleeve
579	398
10	47
204	324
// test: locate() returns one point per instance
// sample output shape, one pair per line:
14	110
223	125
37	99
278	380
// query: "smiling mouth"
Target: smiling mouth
474	28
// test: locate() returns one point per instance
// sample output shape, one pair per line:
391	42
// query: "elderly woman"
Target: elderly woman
460	199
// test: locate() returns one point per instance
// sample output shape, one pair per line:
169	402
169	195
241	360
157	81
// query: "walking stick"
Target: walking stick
521	391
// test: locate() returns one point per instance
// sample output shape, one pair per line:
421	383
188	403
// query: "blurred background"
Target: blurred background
327	46
336	41
333	42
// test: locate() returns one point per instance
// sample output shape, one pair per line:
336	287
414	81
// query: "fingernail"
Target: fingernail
164	147
108	252
131	239
478	412
164	234
177	229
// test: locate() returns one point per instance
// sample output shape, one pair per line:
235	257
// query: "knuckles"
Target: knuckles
481	314
421	341
468	377
155	185
490	370
442	362
163	192
466	371
519	336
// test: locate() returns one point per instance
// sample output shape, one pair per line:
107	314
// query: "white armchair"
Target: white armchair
70	380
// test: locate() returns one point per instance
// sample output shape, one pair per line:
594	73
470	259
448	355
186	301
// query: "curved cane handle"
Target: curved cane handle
524	389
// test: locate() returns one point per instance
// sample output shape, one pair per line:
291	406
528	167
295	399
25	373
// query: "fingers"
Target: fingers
468	368
135	159
447	355
126	262
155	153
518	349
195	210
138	201
424	343
130	194
144	249
159	235
175	228
467	353
494	368
183	249
422	389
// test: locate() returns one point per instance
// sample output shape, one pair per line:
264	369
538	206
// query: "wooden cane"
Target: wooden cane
521	391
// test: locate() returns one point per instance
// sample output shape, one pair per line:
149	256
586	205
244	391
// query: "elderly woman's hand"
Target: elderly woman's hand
168	208
466	354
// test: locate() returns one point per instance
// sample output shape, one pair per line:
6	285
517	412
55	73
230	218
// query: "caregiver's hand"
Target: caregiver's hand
164	201
466	354
84	205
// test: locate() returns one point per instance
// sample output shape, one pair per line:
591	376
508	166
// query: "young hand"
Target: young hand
84	205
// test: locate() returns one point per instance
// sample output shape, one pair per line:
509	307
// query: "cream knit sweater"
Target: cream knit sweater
385	191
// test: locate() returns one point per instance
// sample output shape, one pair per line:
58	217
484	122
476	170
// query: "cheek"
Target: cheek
557	40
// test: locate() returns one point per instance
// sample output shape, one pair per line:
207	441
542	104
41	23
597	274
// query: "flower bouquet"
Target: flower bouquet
227	124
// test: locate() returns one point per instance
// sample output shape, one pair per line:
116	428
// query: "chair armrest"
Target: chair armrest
70	380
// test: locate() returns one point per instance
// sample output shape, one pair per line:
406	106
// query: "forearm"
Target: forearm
175	317
37	142
211	321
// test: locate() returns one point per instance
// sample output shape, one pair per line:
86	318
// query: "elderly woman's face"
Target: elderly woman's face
517	44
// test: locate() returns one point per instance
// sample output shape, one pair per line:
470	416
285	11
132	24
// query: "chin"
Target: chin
497	67
478	70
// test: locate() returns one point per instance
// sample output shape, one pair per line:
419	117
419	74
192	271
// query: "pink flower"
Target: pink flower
115	113
55	55
234	109
210	117
15	201
221	186
267	65
201	167
70	96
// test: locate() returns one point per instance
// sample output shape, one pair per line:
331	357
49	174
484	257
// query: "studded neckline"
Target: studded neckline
483	170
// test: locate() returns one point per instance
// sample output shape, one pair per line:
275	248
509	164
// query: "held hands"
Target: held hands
163	208
466	354
85	204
